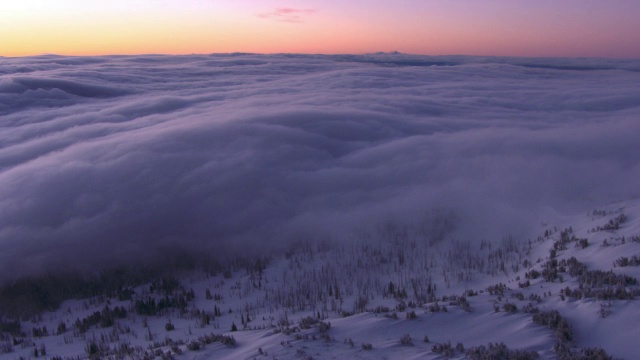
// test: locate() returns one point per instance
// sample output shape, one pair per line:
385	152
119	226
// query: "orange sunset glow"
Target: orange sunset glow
518	28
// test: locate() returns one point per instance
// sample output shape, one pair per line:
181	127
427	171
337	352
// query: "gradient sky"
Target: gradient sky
591	28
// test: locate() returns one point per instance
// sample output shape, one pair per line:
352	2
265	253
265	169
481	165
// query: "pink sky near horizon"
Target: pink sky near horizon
567	28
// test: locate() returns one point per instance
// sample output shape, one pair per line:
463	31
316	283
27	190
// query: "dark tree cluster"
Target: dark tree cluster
605	310
10	327
575	267
563	346
411	315
600	213
62	328
566	236
437	308
96	350
460	301
27	297
125	294
602	285
625	261
566	351
532	274
193	345
105	318
582	244
593	354
151	307
324	326
497	289
550	270
607	293
380	309
393	315
227	340
166	286
169	326
553	320
499	351
406	340
613	224
360	305
464	304
395	291
599	278
307	322
530	308
39	332
444	349
535	297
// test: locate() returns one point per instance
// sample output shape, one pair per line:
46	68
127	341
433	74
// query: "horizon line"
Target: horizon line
319	54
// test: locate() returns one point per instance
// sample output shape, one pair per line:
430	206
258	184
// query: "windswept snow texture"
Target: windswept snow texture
118	159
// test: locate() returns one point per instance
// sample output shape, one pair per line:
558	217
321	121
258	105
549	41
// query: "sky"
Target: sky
134	159
544	28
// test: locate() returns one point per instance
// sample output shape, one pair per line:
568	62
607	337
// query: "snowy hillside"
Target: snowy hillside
392	298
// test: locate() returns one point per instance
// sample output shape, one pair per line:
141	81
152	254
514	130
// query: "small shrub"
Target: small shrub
445	349
393	316
176	349
193	345
92	349
324	326
308	322
406	340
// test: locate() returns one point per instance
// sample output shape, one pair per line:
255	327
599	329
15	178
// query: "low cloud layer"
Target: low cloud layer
127	159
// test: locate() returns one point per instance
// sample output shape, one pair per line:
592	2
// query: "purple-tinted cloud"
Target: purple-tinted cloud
288	15
128	159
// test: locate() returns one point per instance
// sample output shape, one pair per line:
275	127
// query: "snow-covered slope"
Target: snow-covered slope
388	295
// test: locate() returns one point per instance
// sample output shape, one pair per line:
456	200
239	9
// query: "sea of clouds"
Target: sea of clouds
127	159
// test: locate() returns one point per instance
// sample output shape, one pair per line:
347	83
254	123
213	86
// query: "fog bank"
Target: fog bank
108	160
